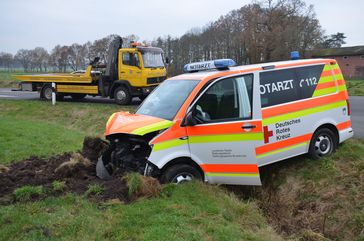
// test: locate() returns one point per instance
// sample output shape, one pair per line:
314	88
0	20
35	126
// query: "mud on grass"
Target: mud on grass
78	177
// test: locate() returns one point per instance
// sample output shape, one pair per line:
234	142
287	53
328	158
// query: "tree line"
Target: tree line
258	32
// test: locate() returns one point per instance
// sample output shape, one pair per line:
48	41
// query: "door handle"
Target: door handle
122	72
249	127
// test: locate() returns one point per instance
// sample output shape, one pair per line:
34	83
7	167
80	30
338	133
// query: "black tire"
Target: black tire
46	92
180	173
122	96
142	97
323	143
78	96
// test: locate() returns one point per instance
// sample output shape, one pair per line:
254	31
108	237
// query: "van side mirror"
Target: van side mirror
167	60
189	120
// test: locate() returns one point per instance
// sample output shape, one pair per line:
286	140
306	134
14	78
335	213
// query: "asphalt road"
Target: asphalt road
356	105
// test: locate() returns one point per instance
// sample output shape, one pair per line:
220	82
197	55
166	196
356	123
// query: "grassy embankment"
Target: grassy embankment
37	128
301	199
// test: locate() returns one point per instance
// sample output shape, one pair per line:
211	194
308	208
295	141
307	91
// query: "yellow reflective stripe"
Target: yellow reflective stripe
327	67
342	88
221	174
302	113
330	78
326	79
108	121
153	127
282	150
226	138
168	144
325	91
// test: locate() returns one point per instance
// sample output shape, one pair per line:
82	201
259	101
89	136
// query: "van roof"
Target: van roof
248	68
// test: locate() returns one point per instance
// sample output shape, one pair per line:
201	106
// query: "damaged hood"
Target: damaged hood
124	122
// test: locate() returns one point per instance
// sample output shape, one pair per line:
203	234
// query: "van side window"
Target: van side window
228	99
286	85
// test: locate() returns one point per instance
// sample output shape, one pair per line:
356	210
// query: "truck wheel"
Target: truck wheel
46	92
122	96
323	143
180	173
78	96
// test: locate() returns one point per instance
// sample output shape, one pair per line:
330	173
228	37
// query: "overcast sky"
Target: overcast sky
46	23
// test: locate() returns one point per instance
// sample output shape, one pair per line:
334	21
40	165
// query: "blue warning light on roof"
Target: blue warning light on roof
220	64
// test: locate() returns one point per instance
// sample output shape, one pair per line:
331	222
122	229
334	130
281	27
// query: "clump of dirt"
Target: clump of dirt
148	187
93	148
77	172
4	169
77	165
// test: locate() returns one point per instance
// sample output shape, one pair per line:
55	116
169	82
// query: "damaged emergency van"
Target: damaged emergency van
219	122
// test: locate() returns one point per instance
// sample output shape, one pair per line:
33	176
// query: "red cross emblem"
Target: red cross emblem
267	134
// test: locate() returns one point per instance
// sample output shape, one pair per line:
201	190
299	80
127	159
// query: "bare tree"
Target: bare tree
77	56
6	60
24	58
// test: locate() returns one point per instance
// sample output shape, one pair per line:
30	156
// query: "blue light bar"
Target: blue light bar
295	55
220	64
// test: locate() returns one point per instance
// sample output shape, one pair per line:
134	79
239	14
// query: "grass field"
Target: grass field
7	80
300	199
38	128
355	87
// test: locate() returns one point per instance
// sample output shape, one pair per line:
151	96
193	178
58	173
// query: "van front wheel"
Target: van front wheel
323	143
181	173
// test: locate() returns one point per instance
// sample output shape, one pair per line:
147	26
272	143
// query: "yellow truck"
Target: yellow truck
130	72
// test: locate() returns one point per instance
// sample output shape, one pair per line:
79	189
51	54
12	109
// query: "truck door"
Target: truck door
130	68
224	141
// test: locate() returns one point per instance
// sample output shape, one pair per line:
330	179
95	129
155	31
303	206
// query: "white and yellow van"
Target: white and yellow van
220	123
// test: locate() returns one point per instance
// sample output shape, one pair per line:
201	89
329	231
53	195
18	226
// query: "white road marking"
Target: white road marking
7	96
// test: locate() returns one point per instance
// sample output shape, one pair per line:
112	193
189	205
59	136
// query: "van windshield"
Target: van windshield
167	98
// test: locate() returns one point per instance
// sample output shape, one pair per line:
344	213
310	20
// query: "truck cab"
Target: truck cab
140	70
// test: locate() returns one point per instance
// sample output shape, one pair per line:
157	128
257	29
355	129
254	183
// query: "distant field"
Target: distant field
355	87
7	80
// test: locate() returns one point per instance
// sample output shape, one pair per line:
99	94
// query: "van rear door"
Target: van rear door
224	140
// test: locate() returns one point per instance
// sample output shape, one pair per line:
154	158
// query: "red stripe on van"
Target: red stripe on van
329	72
282	144
240	168
343	125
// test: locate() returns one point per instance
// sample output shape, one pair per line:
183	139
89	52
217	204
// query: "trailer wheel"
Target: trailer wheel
46	92
323	143
122	96
78	96
180	173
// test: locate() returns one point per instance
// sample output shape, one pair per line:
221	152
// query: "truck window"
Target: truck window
131	59
228	99
286	85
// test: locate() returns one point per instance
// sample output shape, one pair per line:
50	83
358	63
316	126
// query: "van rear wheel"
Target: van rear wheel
323	143
122	96
180	173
